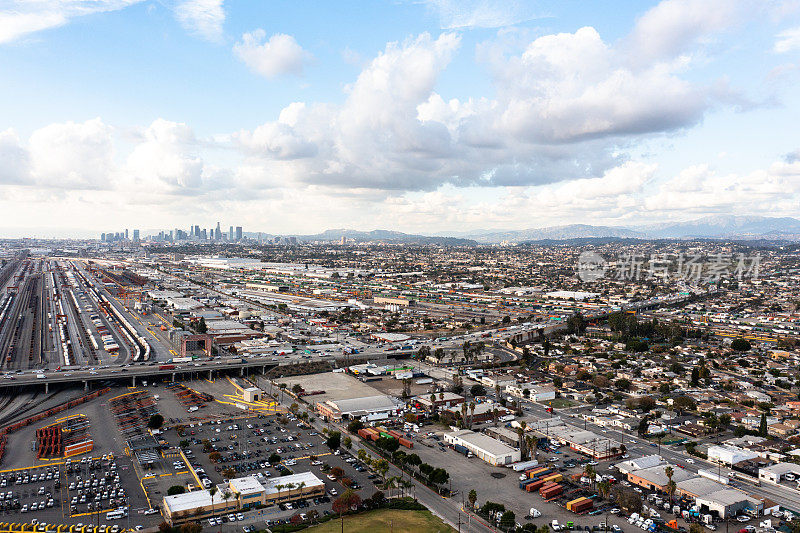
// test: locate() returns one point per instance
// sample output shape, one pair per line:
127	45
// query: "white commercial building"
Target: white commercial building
729	455
536	393
777	472
485	447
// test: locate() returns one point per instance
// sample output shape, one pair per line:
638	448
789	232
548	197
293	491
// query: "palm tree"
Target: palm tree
669	472
471	413
212	491
226	495
603	489
391	484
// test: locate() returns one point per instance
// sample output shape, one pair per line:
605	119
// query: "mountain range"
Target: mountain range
711	227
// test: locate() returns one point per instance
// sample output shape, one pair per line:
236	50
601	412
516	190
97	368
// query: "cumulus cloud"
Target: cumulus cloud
14	160
456	14
278	55
202	17
563	106
167	161
22	17
674	26
788	40
72	155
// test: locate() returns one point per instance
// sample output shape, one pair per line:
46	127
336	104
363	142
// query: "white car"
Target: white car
690	461
535	513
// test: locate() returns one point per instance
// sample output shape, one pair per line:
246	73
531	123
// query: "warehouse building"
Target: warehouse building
696	487
367	408
485	447
727	503
532	391
777	472
655	477
248	492
729	455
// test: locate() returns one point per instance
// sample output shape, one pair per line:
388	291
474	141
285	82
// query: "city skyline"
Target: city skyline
421	117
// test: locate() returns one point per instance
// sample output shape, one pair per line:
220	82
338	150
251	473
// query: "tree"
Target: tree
214	457
190	527
334	440
212	491
348	501
347	441
558	382
297	388
274	459
740	345
176	489
669	472
156	421
696	528
762	426
472	498
623	384
201	326
508	520
695	380
477	390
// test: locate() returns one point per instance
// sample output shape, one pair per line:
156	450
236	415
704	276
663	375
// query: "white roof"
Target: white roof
246	485
191	500
310	480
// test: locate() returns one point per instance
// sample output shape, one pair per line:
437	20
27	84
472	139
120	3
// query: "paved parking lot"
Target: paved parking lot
245	446
500	484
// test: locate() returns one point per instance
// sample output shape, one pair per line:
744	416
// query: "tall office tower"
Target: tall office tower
126	234
230	233
102	237
218	233
136	235
238	233
197	231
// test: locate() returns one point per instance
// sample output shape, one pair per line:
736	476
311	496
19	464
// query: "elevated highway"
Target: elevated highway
131	373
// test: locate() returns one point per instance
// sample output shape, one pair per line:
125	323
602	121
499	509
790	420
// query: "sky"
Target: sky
423	116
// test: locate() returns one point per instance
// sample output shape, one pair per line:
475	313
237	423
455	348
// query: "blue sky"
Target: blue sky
420	116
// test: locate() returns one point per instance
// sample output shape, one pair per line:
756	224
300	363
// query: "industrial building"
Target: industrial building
485	447
655	477
367	408
532	391
729	455
727	503
777	472
247	492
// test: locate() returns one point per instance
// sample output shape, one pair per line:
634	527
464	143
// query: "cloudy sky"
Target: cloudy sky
420	115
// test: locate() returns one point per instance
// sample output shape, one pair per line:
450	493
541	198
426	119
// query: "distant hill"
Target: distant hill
557	233
387	236
711	227
728	226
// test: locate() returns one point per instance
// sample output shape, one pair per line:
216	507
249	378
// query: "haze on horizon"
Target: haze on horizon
417	116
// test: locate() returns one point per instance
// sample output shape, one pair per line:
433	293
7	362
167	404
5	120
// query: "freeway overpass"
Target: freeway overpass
131	373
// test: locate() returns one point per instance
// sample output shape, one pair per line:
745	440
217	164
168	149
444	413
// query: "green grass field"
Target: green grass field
393	520
560	403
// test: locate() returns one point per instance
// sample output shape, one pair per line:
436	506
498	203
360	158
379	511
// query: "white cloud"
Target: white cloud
277	56
455	14
165	161
72	155
22	17
674	26
14	160
202	17
788	41
573	86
